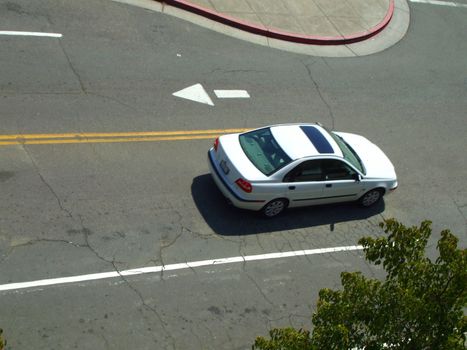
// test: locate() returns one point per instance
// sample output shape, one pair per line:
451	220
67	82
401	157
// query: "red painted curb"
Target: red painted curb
282	35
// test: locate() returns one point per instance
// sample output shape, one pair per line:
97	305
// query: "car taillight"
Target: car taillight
216	144
244	185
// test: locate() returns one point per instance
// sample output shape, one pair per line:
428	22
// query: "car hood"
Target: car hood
377	164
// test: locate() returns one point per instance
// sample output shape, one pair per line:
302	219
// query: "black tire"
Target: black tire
371	198
274	207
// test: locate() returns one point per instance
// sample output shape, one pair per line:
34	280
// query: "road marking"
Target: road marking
141	136
232	94
51	35
195	93
173	267
440	3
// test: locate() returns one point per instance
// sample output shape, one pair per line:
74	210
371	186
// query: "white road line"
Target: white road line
440	3
172	267
51	35
232	94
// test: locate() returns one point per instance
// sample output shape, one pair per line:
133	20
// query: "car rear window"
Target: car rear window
264	152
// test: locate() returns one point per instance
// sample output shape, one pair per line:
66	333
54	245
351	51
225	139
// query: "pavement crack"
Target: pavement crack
106	342
258	288
146	305
73	69
318	89
192	269
242	244
86	233
6	254
210	332
195	335
47	240
227	239
332	256
259	242
280	246
287	242
459	208
133	108
62	208
381	215
349	47
171	242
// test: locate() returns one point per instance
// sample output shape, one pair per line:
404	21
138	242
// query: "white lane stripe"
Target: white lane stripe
51	35
172	267
440	3
232	94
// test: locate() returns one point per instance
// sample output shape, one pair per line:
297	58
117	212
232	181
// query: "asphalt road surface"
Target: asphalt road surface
112	199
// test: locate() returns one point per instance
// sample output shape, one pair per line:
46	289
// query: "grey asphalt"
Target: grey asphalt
79	209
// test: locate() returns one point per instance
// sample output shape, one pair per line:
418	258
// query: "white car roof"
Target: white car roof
305	140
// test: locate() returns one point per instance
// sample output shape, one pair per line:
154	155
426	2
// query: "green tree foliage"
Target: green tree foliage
2	341
420	304
284	339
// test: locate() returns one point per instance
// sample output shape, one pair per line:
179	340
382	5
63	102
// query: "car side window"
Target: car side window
337	170
310	170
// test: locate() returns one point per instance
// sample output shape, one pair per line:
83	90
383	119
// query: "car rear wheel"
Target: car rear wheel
274	207
371	197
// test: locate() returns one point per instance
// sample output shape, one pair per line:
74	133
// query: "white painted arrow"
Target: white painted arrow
195	93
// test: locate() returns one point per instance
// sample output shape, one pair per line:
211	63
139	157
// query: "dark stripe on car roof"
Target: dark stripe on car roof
318	140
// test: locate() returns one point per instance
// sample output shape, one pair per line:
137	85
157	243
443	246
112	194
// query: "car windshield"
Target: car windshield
348	152
263	151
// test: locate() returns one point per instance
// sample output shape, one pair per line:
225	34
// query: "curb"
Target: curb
282	35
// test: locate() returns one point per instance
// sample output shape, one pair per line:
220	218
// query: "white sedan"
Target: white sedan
294	165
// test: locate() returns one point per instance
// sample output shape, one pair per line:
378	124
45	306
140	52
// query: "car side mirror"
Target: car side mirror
357	177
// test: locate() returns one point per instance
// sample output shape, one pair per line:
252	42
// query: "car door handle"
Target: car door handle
328	185
291	187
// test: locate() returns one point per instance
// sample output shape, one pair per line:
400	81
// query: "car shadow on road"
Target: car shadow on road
227	220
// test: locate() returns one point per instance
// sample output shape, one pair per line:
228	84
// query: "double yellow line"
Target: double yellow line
92	137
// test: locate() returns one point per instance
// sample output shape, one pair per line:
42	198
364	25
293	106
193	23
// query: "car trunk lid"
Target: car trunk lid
233	161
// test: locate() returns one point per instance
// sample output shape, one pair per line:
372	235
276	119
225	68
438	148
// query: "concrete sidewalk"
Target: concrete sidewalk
317	22
323	28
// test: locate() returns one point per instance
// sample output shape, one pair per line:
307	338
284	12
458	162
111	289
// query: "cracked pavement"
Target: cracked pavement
78	209
69	231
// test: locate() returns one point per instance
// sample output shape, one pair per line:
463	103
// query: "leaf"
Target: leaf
419	305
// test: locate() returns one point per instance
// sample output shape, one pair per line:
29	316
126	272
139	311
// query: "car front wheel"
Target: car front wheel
371	197
274	207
